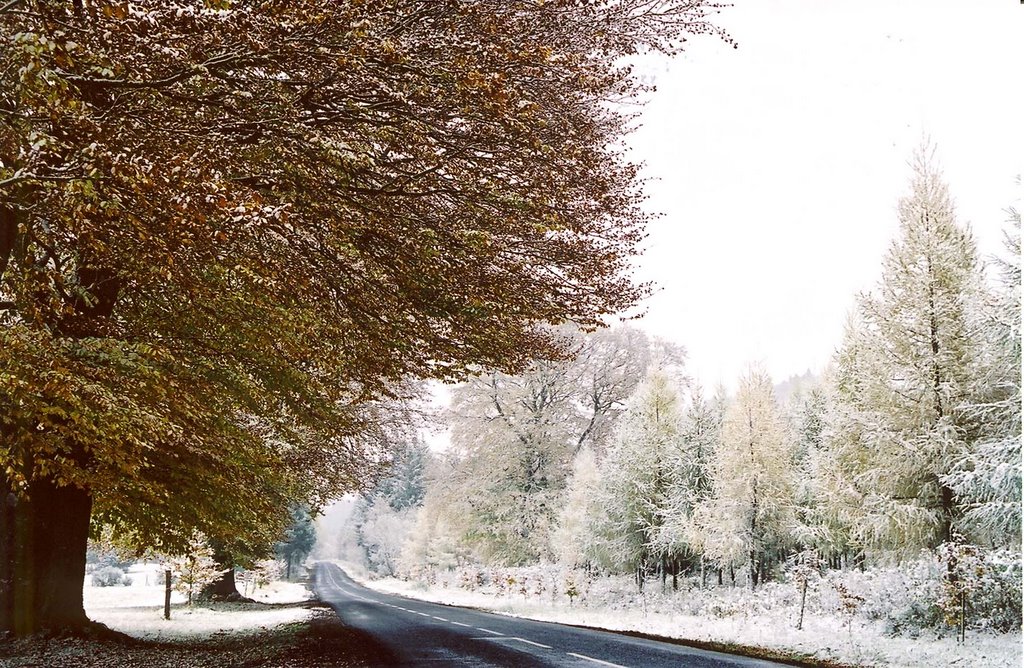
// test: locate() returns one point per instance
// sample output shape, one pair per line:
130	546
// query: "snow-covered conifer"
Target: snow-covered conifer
689	474
635	475
751	512
905	373
573	538
987	480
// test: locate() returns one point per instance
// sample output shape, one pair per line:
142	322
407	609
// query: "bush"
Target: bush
996	604
110	576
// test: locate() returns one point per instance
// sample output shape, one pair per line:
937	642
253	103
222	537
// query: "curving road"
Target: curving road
414	633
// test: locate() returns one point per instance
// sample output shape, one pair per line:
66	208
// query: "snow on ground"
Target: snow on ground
822	637
138	609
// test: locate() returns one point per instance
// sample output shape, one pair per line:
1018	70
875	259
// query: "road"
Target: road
415	633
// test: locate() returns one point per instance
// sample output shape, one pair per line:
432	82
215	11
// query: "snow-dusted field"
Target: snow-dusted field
822	637
138	609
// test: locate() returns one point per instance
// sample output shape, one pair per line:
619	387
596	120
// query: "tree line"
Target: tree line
615	461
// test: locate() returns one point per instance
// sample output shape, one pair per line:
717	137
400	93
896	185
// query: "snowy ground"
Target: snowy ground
138	609
290	631
822	638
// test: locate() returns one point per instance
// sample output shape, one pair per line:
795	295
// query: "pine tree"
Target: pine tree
635	477
751	512
298	539
690	474
987	481
906	372
384	516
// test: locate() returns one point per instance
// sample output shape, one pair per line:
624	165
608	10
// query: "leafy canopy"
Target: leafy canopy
228	228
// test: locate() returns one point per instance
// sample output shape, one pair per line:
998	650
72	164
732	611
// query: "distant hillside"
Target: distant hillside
793	384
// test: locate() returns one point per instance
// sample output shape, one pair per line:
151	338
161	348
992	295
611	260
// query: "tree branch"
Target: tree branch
9	6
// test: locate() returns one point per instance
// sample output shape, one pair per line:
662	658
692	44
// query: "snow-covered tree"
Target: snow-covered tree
905	373
195	569
435	540
572	541
298	539
987	480
384	516
516	437
690	473
607	369
815	526
751	512
636	476
405	485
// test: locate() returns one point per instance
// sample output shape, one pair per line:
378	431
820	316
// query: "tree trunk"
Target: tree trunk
45	539
803	604
948	505
167	593
224	588
8	236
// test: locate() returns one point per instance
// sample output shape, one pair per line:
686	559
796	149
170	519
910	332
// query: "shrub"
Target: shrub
109	576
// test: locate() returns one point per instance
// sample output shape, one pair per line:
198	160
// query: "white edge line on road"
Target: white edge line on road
440	619
421	614
493	633
461	624
590	658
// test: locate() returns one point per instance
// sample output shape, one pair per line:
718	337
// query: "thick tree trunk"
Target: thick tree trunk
225	588
8	502
45	532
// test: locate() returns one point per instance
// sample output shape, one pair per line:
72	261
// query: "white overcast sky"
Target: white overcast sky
778	165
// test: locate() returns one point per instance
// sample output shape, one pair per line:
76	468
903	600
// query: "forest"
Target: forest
902	457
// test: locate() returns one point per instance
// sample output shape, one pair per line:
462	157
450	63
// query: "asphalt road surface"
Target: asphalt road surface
407	632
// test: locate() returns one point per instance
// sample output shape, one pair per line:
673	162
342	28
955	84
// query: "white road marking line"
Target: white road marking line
440	619
461	624
590	658
530	642
516	638
421	614
493	633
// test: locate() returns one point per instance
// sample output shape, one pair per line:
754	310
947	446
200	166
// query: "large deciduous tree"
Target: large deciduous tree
517	436
225	227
